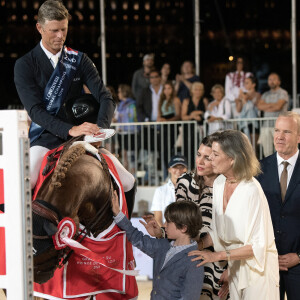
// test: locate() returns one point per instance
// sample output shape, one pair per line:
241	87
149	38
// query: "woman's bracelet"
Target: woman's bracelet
228	255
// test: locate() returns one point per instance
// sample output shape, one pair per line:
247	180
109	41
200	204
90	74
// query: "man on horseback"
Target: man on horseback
49	76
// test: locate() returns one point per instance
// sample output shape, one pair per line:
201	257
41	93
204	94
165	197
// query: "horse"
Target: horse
80	188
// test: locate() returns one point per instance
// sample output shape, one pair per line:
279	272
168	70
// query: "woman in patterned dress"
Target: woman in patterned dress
197	187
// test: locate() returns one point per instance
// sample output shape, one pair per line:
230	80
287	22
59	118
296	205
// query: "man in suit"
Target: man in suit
280	181
147	111
147	102
34	73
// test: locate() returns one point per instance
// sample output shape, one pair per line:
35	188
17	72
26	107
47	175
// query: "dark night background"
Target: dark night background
259	30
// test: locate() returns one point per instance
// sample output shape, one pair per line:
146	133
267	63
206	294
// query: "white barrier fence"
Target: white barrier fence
16	259
145	148
258	130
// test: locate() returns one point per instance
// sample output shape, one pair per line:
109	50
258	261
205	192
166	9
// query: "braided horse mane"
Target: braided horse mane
65	163
80	188
67	160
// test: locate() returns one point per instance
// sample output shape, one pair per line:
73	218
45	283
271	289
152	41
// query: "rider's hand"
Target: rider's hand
85	128
115	203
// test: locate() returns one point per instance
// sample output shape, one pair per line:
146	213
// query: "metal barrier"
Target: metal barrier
258	130
145	148
16	260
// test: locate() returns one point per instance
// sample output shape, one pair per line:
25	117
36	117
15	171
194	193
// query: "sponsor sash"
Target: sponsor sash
58	86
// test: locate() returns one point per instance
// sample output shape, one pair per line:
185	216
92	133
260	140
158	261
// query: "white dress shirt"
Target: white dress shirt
52	57
155	100
223	110
163	196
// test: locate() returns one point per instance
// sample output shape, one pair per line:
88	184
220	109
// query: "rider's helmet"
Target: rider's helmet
82	109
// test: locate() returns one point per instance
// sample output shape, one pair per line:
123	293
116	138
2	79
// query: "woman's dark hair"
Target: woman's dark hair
199	179
253	80
125	90
114	95
163	97
185	213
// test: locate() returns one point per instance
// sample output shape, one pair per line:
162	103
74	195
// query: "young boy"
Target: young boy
175	276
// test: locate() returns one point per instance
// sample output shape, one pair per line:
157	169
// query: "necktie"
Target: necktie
283	179
54	60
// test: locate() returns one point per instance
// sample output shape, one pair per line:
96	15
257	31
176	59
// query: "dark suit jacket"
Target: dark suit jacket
32	73
144	105
285	215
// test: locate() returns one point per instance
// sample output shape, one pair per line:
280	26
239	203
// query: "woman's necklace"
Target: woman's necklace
231	180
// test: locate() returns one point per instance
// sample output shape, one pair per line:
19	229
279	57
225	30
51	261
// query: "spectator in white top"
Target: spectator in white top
271	103
165	194
234	82
218	110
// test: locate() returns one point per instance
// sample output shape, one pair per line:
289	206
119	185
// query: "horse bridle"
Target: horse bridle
46	211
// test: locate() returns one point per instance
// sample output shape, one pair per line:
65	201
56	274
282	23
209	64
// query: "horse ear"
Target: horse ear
50	228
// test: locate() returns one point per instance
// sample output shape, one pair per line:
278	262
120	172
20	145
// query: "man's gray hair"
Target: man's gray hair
292	114
52	10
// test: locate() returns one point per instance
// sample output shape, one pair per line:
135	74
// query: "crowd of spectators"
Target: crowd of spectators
158	98
237	98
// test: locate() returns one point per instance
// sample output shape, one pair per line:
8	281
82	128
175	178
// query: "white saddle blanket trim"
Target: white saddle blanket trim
102	234
77	247
46	296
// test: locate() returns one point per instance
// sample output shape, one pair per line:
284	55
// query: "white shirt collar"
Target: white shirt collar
153	91
292	160
48	53
170	183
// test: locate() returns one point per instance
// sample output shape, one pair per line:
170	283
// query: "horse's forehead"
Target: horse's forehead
91	159
89	163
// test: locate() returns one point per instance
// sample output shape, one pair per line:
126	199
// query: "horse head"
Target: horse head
79	188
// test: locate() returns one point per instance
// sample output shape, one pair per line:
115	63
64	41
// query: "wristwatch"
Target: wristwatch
298	253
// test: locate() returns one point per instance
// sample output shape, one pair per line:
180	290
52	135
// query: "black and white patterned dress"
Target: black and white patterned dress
187	189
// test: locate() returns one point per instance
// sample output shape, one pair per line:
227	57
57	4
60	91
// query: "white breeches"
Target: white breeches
37	154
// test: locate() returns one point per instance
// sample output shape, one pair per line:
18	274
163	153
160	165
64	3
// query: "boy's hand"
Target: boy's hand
148	217
115	203
152	227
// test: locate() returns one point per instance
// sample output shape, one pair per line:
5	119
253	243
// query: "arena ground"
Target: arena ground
145	288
